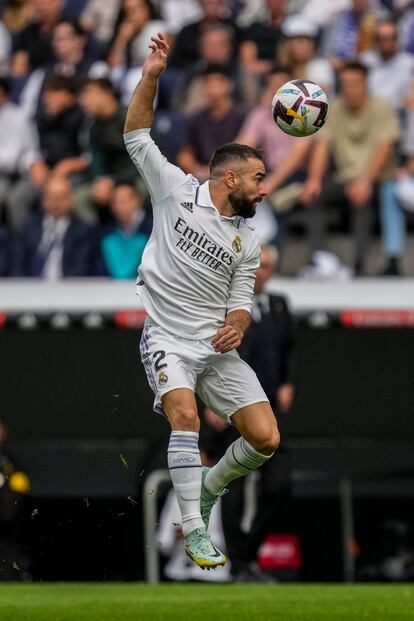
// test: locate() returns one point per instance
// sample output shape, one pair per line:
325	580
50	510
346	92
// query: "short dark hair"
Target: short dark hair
219	27
214	70
74	23
232	151
354	65
104	84
61	83
5	86
128	184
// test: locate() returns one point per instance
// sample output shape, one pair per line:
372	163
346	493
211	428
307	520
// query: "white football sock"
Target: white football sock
239	459
185	469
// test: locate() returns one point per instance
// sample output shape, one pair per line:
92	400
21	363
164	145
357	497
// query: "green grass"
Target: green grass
191	602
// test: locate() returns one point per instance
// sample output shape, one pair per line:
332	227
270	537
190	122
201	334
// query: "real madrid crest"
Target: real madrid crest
237	244
162	378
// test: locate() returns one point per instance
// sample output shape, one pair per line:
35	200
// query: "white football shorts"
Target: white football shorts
224	382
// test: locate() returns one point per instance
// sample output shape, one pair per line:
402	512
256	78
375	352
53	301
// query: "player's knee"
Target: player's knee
269	443
184	418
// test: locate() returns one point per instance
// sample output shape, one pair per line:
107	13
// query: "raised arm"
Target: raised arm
141	108
160	177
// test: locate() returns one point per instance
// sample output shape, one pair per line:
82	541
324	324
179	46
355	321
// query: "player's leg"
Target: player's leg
185	468
231	389
258	441
184	461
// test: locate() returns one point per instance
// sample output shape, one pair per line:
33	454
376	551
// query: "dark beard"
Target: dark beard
242	206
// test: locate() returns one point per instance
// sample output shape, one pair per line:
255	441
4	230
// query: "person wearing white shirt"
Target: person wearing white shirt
5	49
19	152
390	70
196	282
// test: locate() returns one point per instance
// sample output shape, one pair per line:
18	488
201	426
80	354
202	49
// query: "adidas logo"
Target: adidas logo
188	206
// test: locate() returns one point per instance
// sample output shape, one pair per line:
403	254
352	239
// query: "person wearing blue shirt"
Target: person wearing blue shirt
123	245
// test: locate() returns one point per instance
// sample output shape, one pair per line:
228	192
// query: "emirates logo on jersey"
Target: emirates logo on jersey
237	244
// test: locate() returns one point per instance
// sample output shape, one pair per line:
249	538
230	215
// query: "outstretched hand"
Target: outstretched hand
157	60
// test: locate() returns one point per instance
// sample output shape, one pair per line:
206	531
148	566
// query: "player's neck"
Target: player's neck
220	199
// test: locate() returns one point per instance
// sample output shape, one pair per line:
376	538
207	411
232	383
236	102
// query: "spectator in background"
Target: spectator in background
351	33
34	43
405	16
268	349
299	53
186	50
72	58
216	124
321	11
179	13
364	155
216	48
391	70
139	21
19	154
5	252
400	196
109	161
285	158
261	40
123	246
56	243
5	49
100	18
17	15
59	123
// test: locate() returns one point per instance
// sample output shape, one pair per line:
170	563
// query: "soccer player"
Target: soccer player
196	282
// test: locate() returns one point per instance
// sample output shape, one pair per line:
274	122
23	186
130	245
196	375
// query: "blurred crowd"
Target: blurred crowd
71	202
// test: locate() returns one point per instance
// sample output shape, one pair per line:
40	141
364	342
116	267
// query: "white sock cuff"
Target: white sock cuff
250	457
183	442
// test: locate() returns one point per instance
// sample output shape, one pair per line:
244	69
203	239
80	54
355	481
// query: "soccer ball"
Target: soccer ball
300	107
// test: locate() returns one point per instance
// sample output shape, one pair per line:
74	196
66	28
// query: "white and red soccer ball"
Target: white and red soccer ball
300	107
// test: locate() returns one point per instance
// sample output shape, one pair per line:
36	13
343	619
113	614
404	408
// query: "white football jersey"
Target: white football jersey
198	265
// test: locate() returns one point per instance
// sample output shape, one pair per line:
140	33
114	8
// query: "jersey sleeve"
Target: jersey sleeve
242	282
160	177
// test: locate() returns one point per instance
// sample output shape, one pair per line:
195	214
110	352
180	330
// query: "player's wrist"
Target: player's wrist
150	77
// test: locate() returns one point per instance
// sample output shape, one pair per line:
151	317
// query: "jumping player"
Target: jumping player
196	282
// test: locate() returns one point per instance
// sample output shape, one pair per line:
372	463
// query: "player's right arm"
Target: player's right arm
159	175
141	108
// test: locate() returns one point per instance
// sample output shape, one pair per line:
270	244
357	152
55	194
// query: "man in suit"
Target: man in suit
267	348
56	243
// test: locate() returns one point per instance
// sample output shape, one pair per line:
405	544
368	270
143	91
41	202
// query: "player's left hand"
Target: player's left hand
226	339
157	60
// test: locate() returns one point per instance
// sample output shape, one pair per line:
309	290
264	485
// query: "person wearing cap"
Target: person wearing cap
299	52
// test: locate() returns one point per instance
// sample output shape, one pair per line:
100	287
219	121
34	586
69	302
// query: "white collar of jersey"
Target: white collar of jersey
203	199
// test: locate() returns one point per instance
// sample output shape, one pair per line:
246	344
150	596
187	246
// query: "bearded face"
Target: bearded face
243	206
